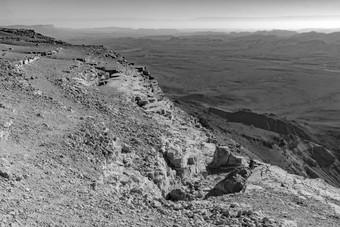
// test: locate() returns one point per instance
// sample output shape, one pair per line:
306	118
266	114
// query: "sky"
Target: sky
232	14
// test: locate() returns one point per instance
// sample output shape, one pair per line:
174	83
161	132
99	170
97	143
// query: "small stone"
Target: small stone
191	161
234	205
7	124
142	103
136	190
156	204
225	213
37	93
250	212
288	223
177	206
265	220
258	213
233	213
150	175
152	100
93	185
4	174
126	148
199	194
219	222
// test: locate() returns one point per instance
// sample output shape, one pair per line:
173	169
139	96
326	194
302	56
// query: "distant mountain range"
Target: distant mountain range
69	34
270	18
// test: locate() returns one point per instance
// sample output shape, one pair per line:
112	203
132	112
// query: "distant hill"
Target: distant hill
86	34
280	33
113	32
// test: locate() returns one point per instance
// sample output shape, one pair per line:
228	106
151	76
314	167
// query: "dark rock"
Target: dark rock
204	122
234	182
191	161
4	174
126	149
136	191
177	194
80	59
233	205
142	103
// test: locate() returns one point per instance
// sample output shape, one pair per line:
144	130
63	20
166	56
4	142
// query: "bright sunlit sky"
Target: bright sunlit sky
229	14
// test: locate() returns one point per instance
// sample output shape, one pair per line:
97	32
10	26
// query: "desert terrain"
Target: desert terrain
280	76
293	77
88	138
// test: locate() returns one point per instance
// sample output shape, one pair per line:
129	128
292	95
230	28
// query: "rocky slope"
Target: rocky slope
299	148
88	139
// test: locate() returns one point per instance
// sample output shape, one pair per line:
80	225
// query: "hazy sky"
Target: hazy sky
172	13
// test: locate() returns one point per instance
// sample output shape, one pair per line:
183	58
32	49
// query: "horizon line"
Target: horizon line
179	29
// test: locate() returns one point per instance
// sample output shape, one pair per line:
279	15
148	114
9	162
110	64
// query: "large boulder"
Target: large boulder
225	161
234	182
221	157
178	194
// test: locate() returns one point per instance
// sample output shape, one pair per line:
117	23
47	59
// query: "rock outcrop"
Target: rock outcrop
234	182
270	123
225	161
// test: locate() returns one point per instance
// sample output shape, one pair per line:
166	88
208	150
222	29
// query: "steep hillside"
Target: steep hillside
89	139
296	147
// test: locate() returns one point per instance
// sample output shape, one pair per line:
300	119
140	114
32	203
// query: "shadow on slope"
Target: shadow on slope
287	144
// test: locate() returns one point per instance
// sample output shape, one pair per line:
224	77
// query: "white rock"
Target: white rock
7	124
288	223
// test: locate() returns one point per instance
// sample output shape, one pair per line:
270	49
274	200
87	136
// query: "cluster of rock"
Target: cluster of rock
27	61
212	213
297	147
143	70
36	56
186	156
316	158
